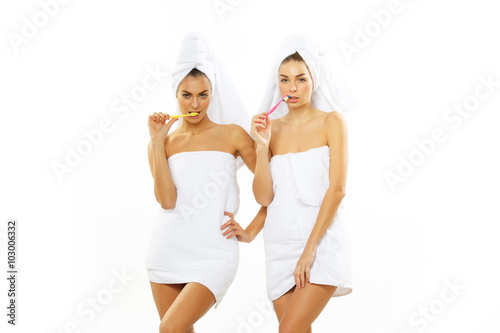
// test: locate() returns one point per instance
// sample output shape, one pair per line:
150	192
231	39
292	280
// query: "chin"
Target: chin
296	106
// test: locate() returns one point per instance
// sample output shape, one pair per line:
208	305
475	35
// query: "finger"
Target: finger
227	231
225	225
296	278
234	233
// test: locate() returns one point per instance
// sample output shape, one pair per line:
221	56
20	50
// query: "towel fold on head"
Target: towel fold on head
330	93
225	106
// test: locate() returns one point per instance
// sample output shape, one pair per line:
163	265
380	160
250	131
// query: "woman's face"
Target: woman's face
295	80
193	95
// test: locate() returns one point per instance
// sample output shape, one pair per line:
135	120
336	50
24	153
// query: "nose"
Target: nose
293	87
195	105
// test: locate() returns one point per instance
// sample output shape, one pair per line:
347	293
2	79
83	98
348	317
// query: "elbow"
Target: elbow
264	200
262	196
167	206
339	192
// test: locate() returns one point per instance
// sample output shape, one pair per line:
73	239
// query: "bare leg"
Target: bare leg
304	306
281	303
164	295
192	303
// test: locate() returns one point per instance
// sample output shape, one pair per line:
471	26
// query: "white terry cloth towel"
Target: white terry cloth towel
300	181
330	93
186	243
226	107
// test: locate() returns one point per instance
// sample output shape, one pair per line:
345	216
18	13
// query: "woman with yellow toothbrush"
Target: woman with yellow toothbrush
192	259
300	175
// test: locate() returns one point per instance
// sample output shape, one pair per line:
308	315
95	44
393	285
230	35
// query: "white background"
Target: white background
438	226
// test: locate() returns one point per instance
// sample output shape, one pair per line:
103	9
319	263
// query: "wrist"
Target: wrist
158	142
250	235
262	149
310	247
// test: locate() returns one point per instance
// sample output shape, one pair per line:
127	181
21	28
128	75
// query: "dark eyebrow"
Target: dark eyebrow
204	91
302	74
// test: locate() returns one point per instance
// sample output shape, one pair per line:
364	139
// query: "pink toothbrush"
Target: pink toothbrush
274	108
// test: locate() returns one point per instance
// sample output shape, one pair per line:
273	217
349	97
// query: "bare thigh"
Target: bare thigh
192	303
164	295
304	306
280	304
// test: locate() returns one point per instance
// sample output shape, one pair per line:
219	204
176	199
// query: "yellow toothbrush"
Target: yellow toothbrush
184	115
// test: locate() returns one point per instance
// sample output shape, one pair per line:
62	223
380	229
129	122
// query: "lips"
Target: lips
293	99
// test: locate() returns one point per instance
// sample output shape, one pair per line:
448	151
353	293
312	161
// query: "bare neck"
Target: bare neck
300	114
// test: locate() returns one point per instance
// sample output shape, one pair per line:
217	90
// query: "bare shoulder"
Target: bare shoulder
335	121
233	128
234	131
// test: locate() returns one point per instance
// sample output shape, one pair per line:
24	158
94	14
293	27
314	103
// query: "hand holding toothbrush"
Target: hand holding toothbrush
158	128
261	126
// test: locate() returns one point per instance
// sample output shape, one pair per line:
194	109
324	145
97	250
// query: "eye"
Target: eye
185	95
302	80
284	80
203	95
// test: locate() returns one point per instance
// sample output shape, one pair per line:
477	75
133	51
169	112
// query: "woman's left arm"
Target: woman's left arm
243	144
336	133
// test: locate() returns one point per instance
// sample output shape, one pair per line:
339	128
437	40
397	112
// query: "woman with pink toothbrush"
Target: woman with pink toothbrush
300	175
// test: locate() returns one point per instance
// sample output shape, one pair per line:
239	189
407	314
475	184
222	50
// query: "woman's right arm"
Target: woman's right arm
262	182
164	187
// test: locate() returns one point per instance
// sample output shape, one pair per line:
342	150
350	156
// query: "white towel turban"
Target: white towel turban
330	93
225	106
